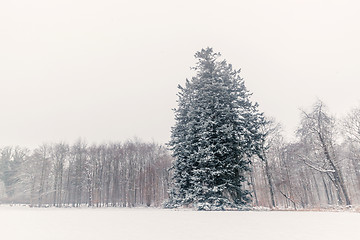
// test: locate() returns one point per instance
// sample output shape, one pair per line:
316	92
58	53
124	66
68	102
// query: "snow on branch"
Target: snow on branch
320	169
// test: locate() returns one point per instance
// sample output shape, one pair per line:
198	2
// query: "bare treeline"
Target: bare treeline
127	175
319	170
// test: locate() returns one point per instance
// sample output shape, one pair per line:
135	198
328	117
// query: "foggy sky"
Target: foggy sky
109	70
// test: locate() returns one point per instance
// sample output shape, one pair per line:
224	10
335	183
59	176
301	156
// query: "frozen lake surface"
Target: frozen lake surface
126	224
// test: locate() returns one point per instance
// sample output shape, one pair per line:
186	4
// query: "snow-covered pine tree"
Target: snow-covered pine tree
216	131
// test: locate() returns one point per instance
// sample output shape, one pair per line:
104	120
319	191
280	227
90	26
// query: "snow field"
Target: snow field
129	224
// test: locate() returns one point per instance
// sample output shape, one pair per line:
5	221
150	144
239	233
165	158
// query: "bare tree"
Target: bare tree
351	125
318	131
272	138
60	153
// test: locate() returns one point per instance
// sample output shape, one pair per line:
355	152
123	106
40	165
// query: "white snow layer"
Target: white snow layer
127	224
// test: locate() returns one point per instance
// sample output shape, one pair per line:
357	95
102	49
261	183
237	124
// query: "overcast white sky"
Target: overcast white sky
108	70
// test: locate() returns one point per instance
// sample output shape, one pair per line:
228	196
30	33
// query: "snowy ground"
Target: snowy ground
126	224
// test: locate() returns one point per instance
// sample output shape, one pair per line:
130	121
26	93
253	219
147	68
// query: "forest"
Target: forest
126	174
319	170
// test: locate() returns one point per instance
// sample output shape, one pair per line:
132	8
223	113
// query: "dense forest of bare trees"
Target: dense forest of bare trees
127	175
320	169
